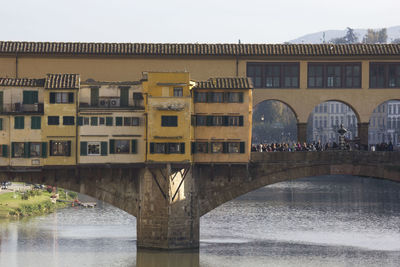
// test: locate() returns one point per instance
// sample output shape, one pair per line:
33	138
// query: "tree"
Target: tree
375	37
396	41
349	38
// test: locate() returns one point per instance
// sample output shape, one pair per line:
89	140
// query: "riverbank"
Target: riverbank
30	203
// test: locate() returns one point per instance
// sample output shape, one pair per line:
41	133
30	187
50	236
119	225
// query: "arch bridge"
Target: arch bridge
169	199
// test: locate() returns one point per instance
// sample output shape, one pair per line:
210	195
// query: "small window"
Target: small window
35	150
19	150
68	120
201	120
85	120
178	91
174	148
93	148
217	147
109	121
60	148
234	97
160	148
122	146
201	147
53	120
61	98
127	121
169	121
93	121
218	97
217	120
118	121
35	122
234	147
200	97
102	121
233	120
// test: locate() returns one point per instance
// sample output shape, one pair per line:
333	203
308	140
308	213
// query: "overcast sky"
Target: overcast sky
187	21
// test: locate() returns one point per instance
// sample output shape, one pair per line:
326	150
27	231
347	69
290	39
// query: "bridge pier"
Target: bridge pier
363	134
168	216
302	132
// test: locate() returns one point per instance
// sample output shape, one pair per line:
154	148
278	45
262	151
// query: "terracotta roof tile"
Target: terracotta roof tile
22	82
62	81
224	83
200	49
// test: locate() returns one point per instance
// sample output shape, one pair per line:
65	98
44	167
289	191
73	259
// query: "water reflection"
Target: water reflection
321	221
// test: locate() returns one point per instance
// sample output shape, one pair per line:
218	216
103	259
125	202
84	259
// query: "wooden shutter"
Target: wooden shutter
4	151
1	101
224	147
83	148
69	148
80	121
44	150
240	120
242	147
112	146
134	146
193	150
104	148
27	146
51	148
36	122
52	98
182	147
70	97
124	97
1	124
12	149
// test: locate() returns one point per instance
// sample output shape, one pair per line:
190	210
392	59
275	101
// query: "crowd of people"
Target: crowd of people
315	146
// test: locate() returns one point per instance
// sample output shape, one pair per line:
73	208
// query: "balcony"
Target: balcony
20	108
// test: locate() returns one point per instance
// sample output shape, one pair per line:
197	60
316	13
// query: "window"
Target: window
35	150
137	100
35	122
178	91
384	75
53	120
217	147
1	124
18	150
160	148
93	148
274	75
201	147
217	97
131	121
61	98
124	96
19	122
217	120
60	148
174	148
234	97
93	121
68	120
102	121
334	75
234	147
30	97
200	97
201	120
167	148
169	121
118	121
233	120
109	121
122	146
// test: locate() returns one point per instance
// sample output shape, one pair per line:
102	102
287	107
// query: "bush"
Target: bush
72	195
25	196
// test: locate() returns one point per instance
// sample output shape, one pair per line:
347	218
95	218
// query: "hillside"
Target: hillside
318	37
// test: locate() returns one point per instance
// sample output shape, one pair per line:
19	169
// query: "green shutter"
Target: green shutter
70	97
19	122
1	124
193	151
224	147
83	148
124	98
27	146
44	150
4	151
104	148
36	122
109	121
134	147
240	120
12	149
118	121
52	98
94	97
182	146
80	121
69	148
241	147
112	146
151	148
1	101
29	97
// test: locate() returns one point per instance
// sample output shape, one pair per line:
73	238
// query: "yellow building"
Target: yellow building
169	108
112	124
59	128
223	114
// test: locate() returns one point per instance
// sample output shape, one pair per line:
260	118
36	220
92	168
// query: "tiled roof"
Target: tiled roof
200	49
62	81
22	82
225	83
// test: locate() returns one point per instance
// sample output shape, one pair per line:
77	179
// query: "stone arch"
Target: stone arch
384	123
281	101
269	168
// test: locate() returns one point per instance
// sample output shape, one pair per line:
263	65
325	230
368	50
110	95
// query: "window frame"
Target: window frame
32	144
386	75
66	146
339	79
55	122
169	121
68	120
94	143
259	78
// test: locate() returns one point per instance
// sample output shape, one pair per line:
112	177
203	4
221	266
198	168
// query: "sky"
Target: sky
187	21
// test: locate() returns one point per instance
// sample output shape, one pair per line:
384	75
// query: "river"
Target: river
319	221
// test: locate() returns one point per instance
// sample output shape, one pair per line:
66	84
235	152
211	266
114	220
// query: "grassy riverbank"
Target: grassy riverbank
29	203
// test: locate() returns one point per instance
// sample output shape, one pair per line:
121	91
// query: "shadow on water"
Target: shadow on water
156	258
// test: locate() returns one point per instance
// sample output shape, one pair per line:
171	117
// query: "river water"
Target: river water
319	221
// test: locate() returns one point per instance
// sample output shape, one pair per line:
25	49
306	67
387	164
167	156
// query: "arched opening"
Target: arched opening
384	126
325	121
274	122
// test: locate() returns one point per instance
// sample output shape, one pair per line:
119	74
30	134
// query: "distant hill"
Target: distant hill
318	37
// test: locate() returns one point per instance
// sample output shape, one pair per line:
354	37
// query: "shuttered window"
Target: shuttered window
19	122
124	98
30	97
36	122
